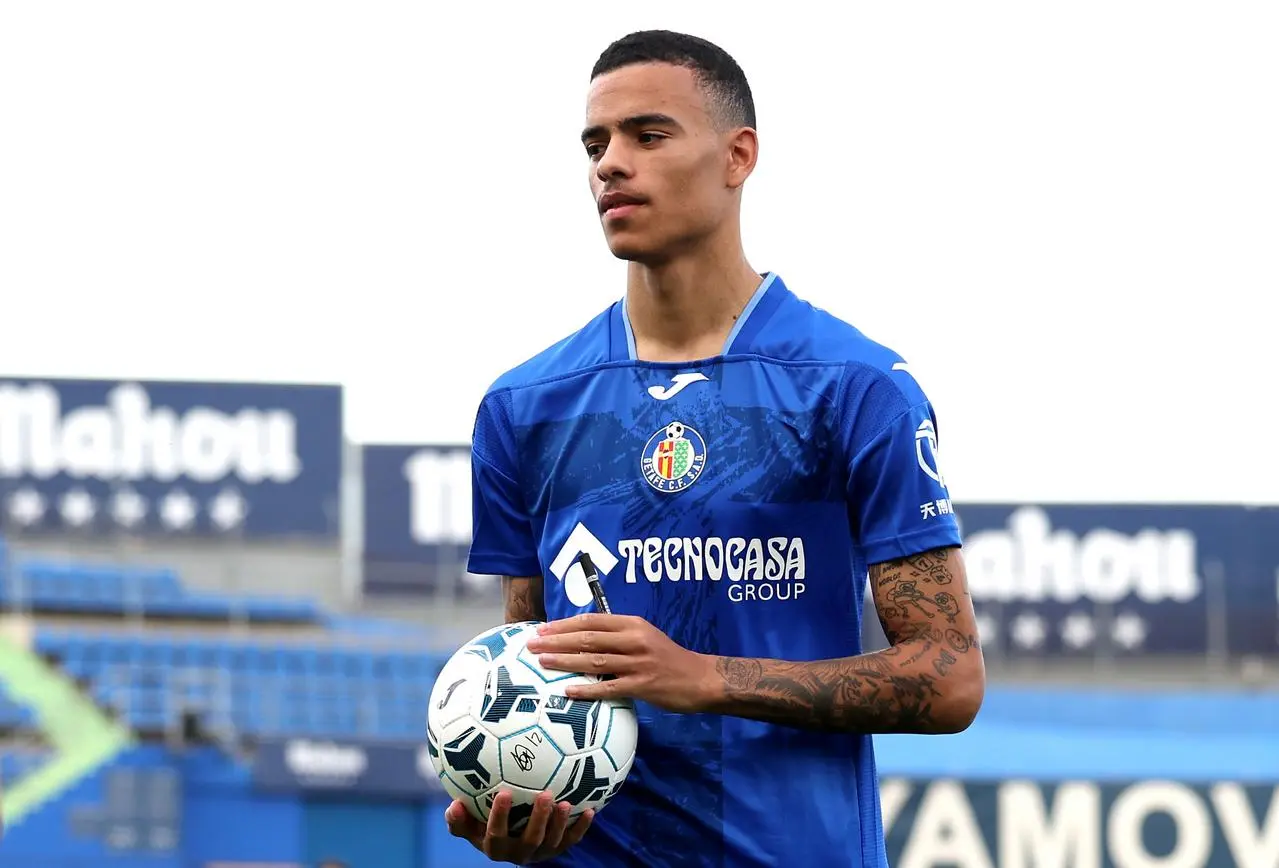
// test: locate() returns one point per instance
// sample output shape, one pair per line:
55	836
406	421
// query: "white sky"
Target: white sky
1064	215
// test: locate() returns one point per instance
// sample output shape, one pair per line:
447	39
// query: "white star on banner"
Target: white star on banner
1028	630
178	510
1077	630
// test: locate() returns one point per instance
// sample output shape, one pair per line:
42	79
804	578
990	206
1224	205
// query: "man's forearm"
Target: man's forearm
522	599
928	684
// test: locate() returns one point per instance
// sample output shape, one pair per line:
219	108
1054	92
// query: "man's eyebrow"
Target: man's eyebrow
652	119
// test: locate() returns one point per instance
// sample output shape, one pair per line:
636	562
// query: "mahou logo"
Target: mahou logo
127	438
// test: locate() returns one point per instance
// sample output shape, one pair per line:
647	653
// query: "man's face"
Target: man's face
660	172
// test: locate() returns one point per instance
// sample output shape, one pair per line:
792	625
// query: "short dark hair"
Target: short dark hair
723	80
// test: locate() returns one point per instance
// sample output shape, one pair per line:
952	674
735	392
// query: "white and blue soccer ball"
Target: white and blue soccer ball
498	720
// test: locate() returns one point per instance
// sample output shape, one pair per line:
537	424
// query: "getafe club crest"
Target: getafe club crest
673	458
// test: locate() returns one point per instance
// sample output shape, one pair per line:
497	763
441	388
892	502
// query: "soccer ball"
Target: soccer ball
674	431
498	720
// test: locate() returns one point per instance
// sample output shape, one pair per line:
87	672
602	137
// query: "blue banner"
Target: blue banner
345	768
1022	824
417	519
1123	580
104	456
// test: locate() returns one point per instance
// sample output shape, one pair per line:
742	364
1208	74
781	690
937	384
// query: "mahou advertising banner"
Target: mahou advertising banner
146	457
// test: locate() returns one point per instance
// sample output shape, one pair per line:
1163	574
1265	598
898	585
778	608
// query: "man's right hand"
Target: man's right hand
548	833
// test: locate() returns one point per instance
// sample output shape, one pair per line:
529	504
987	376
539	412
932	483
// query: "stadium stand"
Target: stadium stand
108	589
248	687
292	669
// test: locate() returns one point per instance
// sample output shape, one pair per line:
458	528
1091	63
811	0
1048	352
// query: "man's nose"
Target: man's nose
614	162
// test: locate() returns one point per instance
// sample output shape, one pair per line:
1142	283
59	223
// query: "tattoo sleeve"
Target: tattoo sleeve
522	598
929	680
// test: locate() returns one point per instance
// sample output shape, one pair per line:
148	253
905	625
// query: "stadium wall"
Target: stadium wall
199	810
1082	778
158	808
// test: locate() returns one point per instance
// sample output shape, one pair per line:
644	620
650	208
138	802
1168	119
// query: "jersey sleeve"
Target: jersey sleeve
898	501
502	540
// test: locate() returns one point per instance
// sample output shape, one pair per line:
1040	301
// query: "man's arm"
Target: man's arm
930	680
522	599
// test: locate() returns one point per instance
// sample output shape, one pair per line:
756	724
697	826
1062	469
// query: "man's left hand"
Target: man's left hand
645	663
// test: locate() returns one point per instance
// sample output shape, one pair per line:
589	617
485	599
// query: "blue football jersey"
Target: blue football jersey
734	503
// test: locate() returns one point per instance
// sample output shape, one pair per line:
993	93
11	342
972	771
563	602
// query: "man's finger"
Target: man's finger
556	827
535	829
613	688
462	825
572	643
499	816
588	642
585	622
573	834
596	664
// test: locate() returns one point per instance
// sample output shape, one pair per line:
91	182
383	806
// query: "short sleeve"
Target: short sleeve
502	541
898	501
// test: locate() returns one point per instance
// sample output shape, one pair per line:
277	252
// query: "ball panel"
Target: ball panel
461	678
492	645
620	740
433	748
575	725
529	759
510	701
456	792
585	781
468	756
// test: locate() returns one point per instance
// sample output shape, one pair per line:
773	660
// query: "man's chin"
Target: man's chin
631	250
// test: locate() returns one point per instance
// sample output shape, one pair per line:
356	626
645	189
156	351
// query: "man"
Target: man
736	462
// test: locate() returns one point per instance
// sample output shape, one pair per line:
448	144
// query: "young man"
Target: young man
735	461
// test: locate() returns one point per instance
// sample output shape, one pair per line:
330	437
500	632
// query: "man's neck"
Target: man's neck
685	310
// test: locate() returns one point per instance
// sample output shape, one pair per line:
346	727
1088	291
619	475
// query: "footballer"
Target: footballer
738	464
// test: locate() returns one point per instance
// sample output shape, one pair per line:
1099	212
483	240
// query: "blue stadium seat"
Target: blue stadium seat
258	687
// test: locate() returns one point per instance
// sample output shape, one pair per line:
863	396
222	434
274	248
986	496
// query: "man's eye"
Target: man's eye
594	150
650	138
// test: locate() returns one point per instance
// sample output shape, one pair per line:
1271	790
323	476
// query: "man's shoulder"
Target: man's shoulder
588	347
803	332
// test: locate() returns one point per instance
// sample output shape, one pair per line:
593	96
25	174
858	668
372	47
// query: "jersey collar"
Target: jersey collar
756	313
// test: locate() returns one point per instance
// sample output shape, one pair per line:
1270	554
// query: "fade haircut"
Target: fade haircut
722	80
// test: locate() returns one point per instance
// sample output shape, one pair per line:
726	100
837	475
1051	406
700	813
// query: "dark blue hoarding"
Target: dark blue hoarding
346	768
1021	824
1130	579
417	520
106	456
1052	580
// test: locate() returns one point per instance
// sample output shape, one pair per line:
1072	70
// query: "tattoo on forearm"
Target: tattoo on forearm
898	689
848	694
910	594
523	599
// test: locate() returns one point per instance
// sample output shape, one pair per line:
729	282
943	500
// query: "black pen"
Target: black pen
593	582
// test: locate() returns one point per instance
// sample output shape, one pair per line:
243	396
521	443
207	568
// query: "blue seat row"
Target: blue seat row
258	688
149	708
236	655
46	585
